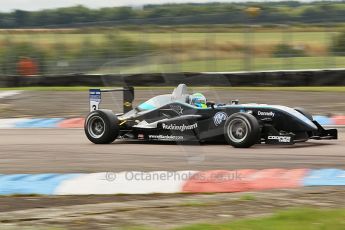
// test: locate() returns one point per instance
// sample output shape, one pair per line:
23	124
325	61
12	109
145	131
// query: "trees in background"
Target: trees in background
177	14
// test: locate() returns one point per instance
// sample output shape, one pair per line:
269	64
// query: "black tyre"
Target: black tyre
305	113
242	130
101	127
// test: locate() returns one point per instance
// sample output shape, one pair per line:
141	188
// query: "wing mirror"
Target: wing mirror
210	104
235	102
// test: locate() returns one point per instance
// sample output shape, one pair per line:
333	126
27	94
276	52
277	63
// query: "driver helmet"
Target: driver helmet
198	100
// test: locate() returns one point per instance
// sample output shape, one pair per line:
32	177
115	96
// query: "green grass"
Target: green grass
314	38
294	219
252	88
196	51
247	197
194	204
52	88
53	38
291	219
318	38
230	65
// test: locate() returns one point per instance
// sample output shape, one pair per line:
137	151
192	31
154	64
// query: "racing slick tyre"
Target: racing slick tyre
242	130
101	126
304	112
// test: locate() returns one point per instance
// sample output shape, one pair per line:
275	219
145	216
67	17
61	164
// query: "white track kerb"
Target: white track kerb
130	182
11	122
9	93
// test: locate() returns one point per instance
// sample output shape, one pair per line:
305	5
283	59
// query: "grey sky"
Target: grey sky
9	5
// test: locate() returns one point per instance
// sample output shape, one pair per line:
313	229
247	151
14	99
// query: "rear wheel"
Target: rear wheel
101	127
242	130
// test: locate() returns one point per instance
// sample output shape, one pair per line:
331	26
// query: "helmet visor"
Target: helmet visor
198	101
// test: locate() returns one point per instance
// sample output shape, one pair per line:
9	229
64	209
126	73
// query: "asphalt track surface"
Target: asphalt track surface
76	104
68	150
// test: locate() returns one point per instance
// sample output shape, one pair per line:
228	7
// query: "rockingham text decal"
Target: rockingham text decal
219	118
181	128
270	114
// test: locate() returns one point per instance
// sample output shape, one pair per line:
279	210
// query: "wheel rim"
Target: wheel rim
96	127
237	130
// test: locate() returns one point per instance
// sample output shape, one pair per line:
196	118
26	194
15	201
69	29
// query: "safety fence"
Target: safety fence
145	49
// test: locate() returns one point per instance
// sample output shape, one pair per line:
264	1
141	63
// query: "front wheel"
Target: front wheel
101	127
242	130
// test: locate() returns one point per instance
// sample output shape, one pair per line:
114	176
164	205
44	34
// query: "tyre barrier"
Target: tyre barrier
304	77
79	122
133	182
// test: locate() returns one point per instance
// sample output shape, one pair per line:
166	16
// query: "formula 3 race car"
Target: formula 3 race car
171	117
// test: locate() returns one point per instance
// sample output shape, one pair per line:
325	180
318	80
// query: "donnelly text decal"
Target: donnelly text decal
281	139
219	118
165	137
181	128
270	114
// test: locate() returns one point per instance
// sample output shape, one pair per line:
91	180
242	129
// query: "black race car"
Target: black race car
171	117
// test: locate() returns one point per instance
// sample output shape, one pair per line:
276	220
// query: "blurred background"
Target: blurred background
194	37
52	52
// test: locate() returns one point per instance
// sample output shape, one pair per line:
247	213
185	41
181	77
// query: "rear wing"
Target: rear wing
95	97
